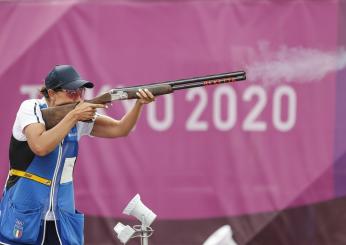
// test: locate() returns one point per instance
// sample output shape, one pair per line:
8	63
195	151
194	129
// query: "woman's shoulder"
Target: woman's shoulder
30	103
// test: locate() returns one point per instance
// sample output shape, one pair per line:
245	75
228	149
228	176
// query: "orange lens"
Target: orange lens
75	94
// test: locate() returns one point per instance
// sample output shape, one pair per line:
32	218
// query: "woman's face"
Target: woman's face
65	96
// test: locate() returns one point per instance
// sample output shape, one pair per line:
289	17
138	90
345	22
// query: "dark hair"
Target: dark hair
44	91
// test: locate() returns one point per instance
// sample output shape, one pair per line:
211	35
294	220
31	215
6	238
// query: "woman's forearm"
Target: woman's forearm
49	139
130	119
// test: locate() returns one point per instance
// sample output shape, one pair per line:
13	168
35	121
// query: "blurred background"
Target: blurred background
265	156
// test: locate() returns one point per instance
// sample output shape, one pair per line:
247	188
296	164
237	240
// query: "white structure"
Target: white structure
124	233
141	212
222	236
137	209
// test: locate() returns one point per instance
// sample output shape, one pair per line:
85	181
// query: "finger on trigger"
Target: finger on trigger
98	105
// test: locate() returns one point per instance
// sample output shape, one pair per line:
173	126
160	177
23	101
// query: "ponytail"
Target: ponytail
44	92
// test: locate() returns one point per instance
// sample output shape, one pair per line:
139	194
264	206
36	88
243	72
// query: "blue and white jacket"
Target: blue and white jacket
27	204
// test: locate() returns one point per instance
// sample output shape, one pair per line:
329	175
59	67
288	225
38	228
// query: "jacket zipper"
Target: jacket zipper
51	196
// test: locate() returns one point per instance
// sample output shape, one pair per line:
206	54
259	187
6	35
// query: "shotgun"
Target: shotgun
53	115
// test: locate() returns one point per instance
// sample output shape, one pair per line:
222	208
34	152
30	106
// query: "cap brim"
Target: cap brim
78	84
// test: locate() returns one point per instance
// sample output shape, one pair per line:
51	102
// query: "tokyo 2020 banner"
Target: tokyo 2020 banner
265	156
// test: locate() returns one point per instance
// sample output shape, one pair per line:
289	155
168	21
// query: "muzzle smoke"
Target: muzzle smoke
296	64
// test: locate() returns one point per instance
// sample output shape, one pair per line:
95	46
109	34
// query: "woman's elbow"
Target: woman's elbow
126	133
40	150
117	134
120	132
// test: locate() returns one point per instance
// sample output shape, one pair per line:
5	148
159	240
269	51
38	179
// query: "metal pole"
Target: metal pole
144	238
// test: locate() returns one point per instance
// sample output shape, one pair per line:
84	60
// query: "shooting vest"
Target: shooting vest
45	188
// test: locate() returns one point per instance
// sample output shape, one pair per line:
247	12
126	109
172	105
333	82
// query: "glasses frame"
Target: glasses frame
72	93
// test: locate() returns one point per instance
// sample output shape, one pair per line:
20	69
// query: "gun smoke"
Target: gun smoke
295	64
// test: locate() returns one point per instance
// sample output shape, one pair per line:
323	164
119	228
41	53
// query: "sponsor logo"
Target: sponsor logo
73	134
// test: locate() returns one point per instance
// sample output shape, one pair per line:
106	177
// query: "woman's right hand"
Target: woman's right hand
85	111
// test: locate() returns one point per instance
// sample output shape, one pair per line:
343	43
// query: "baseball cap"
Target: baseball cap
66	77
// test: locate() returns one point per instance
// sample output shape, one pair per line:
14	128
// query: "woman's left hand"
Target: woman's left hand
145	96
